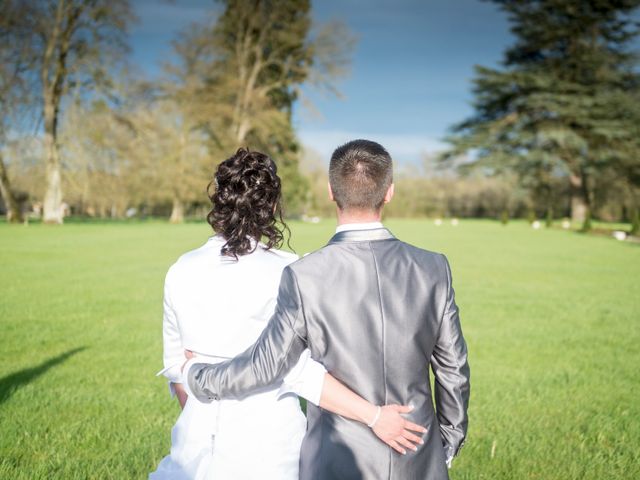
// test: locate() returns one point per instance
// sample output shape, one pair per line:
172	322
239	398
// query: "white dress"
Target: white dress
217	307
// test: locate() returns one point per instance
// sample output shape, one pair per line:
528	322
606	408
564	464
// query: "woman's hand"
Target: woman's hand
394	430
178	387
386	422
180	394
188	354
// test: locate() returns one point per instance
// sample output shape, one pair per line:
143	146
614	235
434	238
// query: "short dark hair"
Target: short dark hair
360	173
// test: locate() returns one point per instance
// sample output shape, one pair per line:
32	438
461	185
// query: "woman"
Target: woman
217	300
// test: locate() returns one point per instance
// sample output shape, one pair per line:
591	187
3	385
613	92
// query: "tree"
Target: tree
553	108
73	43
98	169
15	59
627	158
246	70
141	151
14	212
170	154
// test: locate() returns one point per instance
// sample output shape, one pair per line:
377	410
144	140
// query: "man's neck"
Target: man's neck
350	217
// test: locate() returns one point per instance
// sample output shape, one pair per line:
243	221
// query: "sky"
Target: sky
411	69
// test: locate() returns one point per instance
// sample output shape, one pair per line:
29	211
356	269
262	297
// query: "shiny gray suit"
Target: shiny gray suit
376	312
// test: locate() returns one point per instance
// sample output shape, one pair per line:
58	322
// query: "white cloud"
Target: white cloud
404	148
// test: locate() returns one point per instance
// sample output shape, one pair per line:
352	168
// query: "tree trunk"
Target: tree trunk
586	225
241	132
14	213
54	62
52	205
588	196
504	217
635	221
579	202
549	217
177	211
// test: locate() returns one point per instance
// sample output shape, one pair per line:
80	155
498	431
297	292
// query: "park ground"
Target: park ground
551	317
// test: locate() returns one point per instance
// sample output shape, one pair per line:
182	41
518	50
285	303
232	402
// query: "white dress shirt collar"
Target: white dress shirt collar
358	226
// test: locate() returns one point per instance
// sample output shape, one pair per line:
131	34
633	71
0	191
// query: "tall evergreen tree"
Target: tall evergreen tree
555	105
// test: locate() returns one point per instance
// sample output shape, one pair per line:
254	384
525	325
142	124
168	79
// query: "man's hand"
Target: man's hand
395	431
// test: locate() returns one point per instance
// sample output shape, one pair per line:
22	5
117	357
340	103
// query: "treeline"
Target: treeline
562	114
555	132
433	190
82	133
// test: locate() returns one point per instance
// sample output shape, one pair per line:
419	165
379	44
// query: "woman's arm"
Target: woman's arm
386	421
310	380
173	353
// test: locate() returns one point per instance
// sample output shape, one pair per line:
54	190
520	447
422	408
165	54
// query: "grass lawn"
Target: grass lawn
552	319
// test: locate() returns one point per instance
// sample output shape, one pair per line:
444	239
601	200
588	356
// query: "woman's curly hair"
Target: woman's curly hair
246	203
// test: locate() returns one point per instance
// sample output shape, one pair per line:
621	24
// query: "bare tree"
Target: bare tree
15	59
74	44
171	156
246	71
265	51
14	212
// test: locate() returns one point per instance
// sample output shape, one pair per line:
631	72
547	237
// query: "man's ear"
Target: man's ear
330	192
389	195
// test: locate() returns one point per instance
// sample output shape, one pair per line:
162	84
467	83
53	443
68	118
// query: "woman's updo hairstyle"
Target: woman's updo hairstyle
246	203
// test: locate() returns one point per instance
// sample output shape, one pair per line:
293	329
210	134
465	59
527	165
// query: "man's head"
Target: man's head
361	176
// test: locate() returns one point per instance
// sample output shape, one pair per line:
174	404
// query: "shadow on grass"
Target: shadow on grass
13	381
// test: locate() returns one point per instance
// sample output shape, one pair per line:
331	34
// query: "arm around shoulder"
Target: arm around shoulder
267	361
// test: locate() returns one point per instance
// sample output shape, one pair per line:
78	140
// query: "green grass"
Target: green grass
552	319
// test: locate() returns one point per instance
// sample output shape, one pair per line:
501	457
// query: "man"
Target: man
376	312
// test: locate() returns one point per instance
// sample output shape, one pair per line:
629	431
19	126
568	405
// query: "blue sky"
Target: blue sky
411	70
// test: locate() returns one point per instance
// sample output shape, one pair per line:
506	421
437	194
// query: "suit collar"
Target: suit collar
358	226
362	235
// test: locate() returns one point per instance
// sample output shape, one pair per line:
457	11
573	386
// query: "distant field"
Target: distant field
552	319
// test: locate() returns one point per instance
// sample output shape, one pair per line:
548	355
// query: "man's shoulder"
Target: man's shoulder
422	253
319	263
321	256
309	260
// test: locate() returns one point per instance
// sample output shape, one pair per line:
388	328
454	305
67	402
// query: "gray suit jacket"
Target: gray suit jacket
376	312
